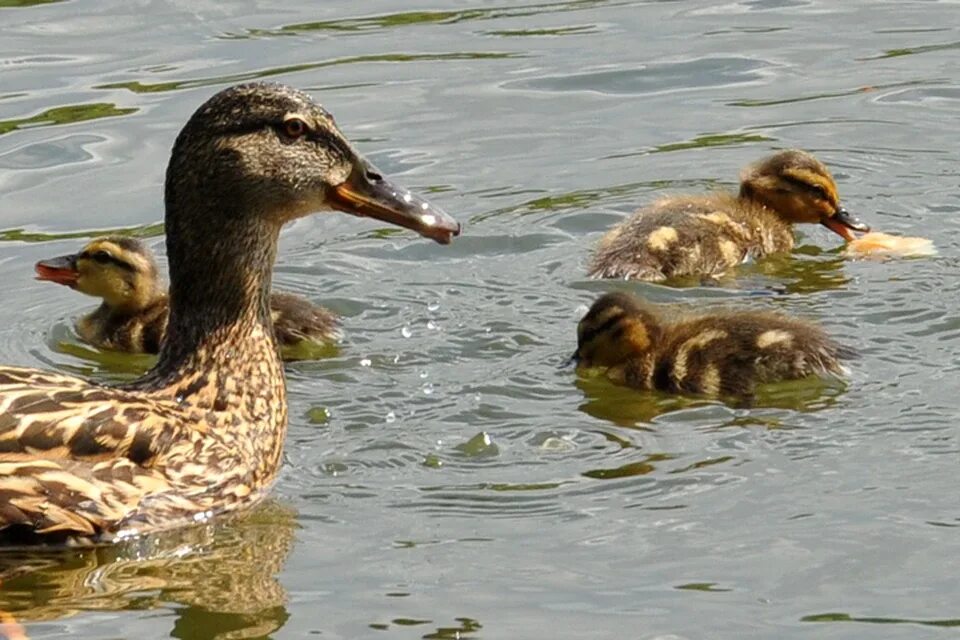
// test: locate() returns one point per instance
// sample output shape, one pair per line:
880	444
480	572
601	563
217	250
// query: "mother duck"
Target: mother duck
202	432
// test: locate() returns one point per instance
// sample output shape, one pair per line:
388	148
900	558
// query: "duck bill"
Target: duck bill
366	193
843	223
62	270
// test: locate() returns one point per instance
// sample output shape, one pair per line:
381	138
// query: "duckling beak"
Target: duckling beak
842	222
367	193
62	270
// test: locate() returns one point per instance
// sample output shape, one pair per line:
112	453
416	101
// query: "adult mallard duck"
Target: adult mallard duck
710	234
202	432
132	316
720	354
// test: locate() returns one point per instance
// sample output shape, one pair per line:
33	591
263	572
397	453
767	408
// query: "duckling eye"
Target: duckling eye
101	256
294	127
819	191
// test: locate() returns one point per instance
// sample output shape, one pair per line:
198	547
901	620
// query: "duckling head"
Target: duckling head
615	330
119	270
268	153
799	188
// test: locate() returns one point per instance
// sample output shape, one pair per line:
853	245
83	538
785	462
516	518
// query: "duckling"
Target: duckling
710	234
721	354
202	432
133	315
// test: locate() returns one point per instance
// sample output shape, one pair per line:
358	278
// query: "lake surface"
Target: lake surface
445	477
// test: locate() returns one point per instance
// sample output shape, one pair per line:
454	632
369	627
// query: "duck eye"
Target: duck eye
101	256
820	192
294	127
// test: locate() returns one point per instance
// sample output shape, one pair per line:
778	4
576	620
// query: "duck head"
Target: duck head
799	188
615	330
117	269
270	151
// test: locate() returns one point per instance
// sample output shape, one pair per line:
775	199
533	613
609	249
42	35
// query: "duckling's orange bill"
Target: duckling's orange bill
367	193
842	222
62	270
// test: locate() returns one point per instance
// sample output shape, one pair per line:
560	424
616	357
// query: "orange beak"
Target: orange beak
366	193
841	224
62	270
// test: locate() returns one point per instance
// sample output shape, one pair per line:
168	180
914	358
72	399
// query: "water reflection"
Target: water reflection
626	407
220	580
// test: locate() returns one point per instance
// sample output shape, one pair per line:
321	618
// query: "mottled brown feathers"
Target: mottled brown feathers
710	234
724	354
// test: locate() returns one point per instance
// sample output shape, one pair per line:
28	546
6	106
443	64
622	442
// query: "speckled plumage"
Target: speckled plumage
720	354
202	432
710	234
133	314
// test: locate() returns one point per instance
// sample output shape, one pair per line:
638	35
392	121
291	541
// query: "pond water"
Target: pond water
444	476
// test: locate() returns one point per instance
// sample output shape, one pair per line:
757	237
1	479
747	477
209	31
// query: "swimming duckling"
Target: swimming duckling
718	354
710	234
133	315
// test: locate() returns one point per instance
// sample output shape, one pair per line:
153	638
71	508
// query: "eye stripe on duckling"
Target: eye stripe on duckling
820	185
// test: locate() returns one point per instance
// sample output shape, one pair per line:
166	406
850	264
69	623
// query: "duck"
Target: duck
132	316
707	235
714	354
201	433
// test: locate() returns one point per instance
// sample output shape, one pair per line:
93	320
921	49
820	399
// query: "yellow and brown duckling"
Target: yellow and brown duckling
202	432
133	314
710	234
721	354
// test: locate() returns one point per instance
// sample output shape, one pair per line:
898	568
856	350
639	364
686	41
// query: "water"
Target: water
444	477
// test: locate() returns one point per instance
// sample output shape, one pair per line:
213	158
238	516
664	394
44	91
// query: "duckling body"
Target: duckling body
202	432
132	316
710	234
722	354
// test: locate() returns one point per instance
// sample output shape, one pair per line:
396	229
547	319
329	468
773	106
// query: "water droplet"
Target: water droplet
433	305
406	332
179	398
366	362
424	206
428	389
432	326
424	374
407	197
396	358
391	417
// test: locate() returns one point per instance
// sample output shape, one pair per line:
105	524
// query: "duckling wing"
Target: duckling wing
674	237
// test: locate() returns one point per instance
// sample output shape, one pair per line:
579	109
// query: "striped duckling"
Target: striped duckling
132	317
720	354
708	235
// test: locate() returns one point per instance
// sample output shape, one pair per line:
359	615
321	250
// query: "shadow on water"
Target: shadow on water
216	579
627	407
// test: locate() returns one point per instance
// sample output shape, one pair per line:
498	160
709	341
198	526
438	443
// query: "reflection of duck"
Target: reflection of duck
707	235
203	431
223	576
718	354
133	315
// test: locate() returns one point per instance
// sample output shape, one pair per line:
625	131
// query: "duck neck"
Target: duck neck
219	352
